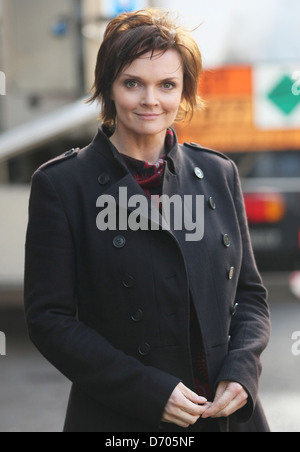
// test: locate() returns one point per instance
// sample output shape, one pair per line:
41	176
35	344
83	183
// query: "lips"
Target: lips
148	116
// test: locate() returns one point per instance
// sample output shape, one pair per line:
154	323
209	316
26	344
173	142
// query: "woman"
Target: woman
152	306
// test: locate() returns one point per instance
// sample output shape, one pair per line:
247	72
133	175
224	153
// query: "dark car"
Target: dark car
271	184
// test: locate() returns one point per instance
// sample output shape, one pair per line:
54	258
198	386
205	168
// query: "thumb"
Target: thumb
192	396
222	386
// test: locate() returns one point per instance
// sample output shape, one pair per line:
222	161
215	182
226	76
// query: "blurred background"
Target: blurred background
251	85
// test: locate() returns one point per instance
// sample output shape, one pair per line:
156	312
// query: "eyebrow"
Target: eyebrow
134	77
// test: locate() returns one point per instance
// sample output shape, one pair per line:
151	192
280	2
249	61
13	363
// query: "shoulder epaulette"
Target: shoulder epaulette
197	147
61	158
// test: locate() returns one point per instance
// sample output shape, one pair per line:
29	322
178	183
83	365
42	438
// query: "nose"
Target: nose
149	97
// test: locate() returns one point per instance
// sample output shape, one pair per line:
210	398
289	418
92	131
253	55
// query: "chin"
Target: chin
151	129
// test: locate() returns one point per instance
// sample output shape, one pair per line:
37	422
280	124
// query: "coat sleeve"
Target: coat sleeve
114	379
250	326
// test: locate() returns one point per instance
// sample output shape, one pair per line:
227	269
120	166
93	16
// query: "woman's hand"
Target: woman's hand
184	407
230	397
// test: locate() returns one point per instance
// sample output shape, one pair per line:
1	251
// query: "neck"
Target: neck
148	148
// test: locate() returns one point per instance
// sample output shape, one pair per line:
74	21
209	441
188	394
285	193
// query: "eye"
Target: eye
131	84
168	85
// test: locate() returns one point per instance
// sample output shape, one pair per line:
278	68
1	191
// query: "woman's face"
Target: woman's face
148	93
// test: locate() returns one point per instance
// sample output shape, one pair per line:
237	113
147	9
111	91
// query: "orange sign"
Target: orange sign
228	121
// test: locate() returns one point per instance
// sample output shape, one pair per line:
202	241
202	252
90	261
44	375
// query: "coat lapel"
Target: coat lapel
133	205
126	192
180	181
129	197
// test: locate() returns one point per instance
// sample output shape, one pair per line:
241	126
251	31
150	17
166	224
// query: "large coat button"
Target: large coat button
70	152
231	273
212	203
199	173
226	240
119	241
128	281
144	349
234	309
138	316
103	179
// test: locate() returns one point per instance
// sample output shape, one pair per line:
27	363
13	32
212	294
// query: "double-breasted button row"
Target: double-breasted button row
144	349
119	242
226	240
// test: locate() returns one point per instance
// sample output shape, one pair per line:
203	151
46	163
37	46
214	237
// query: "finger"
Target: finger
218	405
239	402
190	407
182	411
192	396
189	419
182	419
184	407
233	399
181	414
226	394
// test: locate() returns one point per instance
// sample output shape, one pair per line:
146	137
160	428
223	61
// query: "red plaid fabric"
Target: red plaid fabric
147	175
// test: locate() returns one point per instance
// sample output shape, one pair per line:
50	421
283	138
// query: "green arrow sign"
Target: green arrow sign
282	95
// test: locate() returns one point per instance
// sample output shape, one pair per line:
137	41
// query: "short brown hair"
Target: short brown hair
131	35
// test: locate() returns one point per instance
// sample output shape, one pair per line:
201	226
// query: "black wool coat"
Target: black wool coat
110	309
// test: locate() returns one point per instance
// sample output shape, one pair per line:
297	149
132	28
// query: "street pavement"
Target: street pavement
34	396
280	384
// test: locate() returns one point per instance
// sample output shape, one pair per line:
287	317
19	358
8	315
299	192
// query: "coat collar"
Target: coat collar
122	178
126	185
102	143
